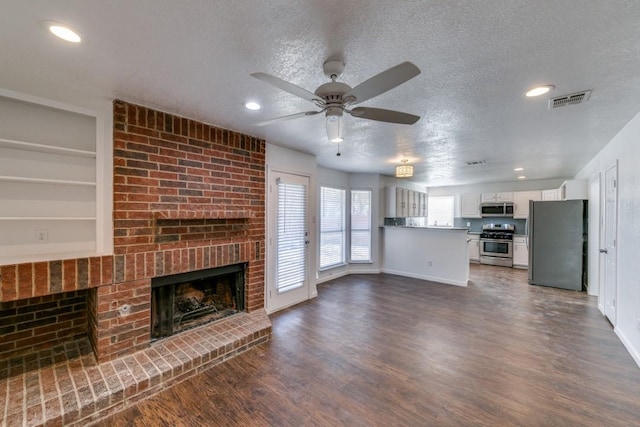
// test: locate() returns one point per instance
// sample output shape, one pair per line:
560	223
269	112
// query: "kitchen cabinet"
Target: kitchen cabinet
473	242
521	202
402	202
575	189
423	204
550	195
50	191
414	203
470	205
520	252
405	203
497	197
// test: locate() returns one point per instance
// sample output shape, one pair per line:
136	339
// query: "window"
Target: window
332	237
360	225
440	211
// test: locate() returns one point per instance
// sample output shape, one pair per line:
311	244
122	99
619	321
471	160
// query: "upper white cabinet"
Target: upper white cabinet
576	189
404	203
49	182
521	202
497	197
470	205
550	195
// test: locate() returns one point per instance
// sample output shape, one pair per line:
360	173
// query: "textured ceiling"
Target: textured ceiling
194	57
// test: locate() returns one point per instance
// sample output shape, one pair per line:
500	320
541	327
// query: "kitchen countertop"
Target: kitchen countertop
427	228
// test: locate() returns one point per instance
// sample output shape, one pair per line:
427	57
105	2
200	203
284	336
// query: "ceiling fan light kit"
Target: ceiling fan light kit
404	170
334	127
335	98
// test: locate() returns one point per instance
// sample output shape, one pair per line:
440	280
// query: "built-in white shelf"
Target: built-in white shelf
52	180
42	148
47	218
45	181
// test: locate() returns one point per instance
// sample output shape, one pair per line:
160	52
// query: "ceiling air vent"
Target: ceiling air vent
571	99
476	162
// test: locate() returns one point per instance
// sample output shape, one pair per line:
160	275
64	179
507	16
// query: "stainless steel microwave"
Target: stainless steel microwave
496	209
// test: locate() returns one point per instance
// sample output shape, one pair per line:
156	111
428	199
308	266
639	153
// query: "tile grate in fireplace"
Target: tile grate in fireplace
183	301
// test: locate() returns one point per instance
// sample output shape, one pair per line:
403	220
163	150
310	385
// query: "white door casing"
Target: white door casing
595	222
610	240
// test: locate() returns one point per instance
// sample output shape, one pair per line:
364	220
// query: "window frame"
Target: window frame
369	226
430	205
343	229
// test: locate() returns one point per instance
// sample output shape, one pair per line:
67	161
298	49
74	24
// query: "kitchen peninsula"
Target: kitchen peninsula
437	254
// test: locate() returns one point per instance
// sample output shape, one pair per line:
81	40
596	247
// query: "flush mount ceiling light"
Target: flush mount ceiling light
63	32
252	106
518	169
404	170
538	90
522	177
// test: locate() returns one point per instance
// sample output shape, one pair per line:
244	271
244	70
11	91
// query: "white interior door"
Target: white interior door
610	238
288	240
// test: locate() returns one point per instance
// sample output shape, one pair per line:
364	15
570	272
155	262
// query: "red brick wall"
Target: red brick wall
187	196
40	323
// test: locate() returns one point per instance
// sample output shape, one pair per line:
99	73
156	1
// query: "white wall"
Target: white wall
625	148
438	255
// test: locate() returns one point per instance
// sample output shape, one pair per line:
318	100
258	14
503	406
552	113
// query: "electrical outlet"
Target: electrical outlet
430	264
42	235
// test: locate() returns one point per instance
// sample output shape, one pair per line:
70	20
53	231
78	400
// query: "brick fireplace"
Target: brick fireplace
188	197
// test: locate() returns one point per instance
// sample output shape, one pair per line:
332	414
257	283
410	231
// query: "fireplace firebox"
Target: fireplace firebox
183	301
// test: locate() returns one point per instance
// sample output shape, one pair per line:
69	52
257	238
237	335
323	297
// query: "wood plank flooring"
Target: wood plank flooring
383	350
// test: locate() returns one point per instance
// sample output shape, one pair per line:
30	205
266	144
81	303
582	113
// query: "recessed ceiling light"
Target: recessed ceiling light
518	169
63	32
522	177
539	90
252	106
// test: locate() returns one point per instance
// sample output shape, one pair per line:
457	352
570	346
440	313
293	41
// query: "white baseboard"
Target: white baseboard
632	351
364	271
333	276
347	272
423	277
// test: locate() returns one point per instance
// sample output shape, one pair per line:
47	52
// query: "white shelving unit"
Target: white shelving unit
50	183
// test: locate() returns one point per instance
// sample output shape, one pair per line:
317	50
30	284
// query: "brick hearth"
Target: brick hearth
187	196
65	385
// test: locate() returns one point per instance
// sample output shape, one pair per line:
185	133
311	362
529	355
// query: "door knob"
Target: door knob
603	251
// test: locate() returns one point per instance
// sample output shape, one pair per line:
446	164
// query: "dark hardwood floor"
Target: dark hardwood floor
383	350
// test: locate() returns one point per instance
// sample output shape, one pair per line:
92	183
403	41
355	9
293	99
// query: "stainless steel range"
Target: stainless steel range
496	244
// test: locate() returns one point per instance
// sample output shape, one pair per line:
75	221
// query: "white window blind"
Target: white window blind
440	211
332	233
292	234
360	225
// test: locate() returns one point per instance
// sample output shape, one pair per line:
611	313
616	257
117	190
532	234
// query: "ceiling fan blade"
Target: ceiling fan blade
287	87
381	115
289	117
380	83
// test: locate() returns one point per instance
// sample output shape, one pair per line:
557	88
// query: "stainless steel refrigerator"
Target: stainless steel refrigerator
557	244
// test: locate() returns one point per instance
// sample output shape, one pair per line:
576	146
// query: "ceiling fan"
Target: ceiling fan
336	98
